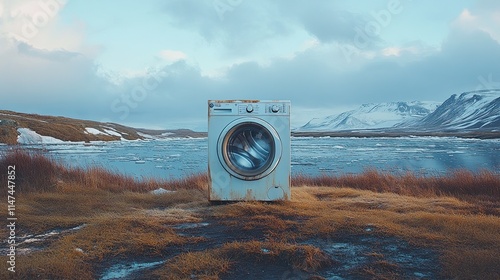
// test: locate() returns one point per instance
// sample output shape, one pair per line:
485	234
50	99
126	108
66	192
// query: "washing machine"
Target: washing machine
249	150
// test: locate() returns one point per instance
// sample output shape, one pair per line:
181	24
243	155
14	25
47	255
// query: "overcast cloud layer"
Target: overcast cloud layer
155	64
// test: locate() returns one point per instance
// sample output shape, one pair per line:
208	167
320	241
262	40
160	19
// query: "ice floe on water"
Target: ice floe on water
177	158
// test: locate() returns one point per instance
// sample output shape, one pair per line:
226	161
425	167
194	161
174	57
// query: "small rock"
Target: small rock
79	250
161	191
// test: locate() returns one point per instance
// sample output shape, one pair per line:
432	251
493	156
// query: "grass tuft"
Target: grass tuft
212	263
36	172
463	184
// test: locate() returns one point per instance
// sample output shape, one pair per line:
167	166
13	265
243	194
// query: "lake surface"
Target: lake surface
176	158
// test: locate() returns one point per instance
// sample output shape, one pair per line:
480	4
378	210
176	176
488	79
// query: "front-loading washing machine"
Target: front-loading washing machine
249	150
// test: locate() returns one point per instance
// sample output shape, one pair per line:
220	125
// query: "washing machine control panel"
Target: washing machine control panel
248	107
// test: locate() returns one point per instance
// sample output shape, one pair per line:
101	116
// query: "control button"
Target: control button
275	108
249	108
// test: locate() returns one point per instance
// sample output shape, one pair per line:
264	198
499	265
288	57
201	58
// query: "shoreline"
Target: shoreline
398	134
490	135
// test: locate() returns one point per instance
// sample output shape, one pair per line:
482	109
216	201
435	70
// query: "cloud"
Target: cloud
236	26
36	77
49	81
484	16
309	80
176	94
172	56
24	19
324	20
54	55
241	25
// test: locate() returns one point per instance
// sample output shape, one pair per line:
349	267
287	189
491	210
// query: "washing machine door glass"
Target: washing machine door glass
249	149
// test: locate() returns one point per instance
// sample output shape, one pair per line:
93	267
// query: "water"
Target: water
312	156
422	155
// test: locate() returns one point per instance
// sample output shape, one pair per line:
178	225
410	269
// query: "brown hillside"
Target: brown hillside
68	129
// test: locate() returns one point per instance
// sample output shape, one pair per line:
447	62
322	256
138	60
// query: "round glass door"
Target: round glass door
250	150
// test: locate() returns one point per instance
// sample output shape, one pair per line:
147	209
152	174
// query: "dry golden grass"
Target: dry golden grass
33	171
459	183
210	264
115	225
195	265
456	228
61	261
38	173
107	236
8	135
122	219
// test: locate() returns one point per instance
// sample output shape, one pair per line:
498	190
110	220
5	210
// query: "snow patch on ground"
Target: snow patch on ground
94	131
28	136
144	135
112	132
44	236
29	243
107	131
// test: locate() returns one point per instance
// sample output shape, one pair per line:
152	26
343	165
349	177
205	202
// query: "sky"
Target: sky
155	63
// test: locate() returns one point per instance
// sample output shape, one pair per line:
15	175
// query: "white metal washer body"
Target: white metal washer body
249	150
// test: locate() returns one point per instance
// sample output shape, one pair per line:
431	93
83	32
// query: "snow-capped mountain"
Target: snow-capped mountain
373	116
469	110
475	110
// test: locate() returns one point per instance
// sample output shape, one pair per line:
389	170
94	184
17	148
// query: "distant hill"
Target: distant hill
30	128
476	111
371	116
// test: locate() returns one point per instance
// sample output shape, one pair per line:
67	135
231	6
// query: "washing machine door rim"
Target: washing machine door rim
249	148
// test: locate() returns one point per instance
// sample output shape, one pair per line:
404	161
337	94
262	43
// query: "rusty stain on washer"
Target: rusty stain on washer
237	101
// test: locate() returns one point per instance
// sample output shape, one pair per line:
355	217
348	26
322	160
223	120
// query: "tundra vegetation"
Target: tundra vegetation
103	219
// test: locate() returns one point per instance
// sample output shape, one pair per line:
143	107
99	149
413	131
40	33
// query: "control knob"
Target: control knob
249	108
275	108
